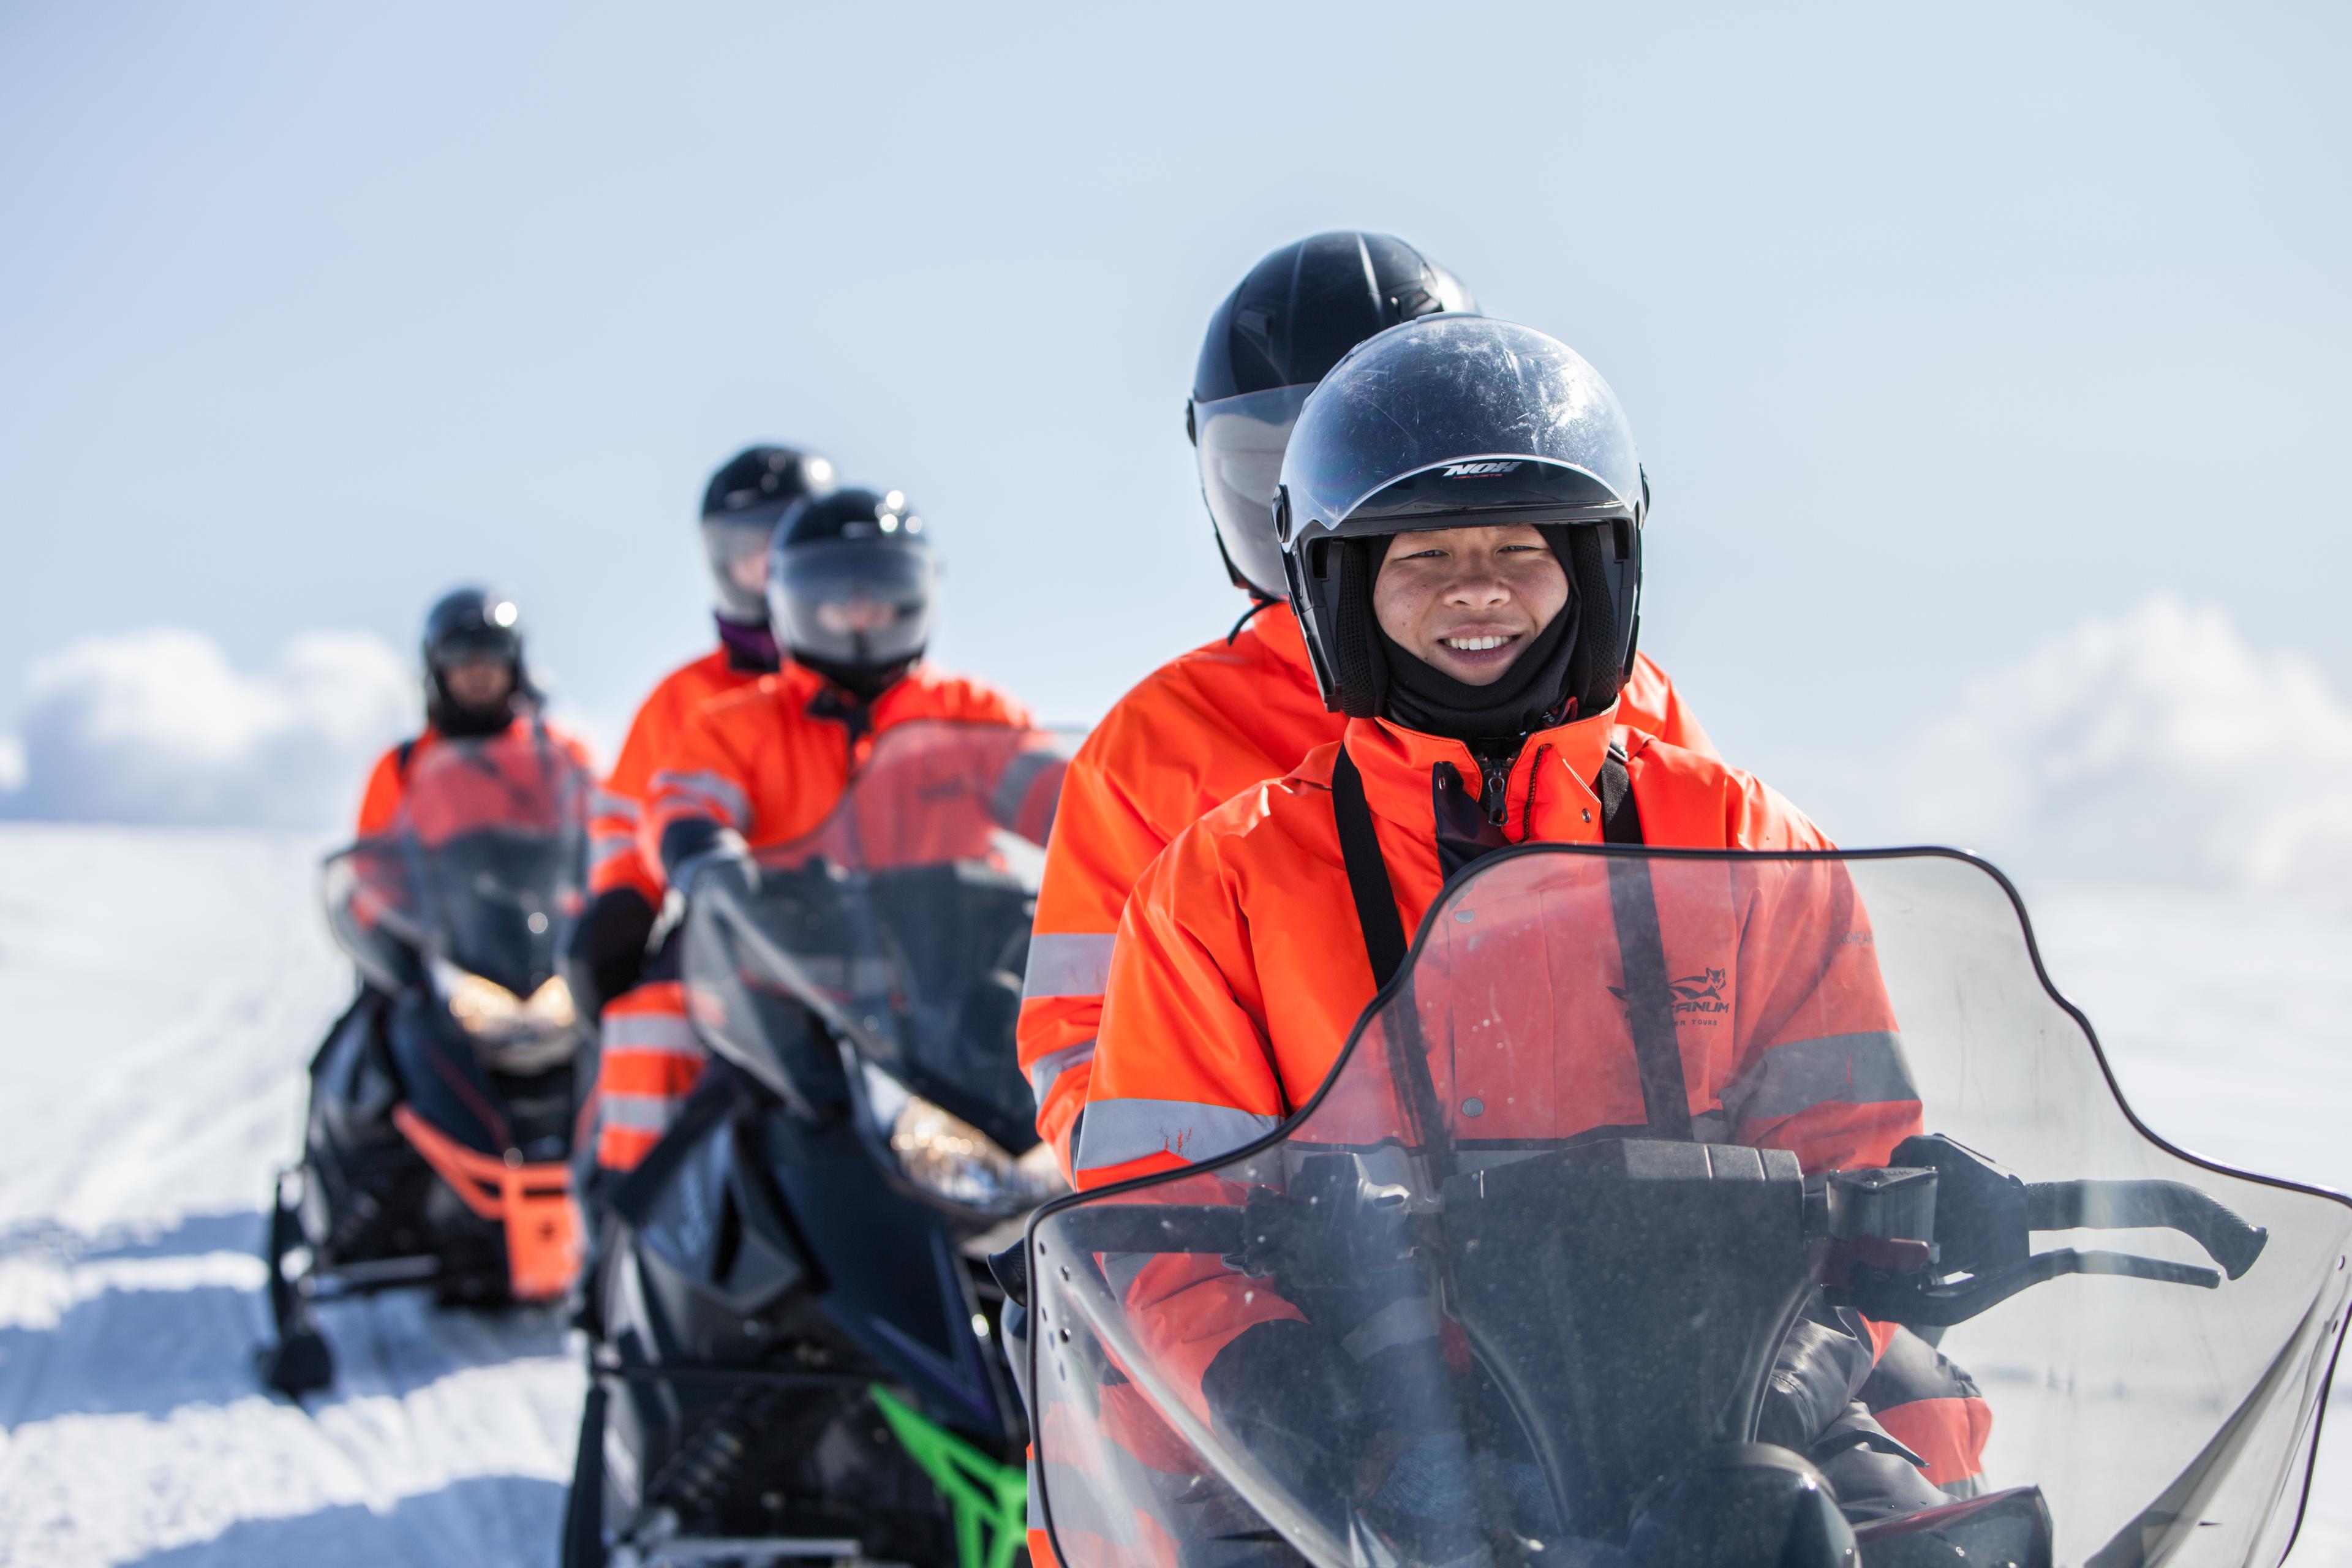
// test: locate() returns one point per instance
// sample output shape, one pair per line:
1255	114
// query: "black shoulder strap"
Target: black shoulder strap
1649	1000
1368	874
1621	819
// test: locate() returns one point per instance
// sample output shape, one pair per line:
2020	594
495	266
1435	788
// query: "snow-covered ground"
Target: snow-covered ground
160	990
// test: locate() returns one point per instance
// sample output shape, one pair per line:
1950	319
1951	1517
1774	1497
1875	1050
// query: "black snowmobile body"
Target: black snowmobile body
444	1102
795	1328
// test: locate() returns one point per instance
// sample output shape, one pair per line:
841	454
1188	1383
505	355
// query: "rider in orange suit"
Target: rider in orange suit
1466	566
475	684
649	1057
850	581
1244	707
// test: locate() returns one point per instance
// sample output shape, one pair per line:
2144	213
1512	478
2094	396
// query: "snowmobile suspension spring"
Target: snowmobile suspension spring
699	1473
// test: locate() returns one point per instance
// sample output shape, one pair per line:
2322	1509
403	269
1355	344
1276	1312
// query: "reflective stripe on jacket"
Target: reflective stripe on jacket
649	1062
1241	968
1192	735
615	860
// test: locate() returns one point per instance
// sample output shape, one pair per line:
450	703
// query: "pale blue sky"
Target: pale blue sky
1940	330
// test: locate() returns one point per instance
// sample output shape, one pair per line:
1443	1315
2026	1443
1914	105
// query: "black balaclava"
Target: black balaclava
459	722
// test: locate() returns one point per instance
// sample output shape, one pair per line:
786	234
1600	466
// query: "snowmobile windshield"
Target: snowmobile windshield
901	924
479	876
1628	1133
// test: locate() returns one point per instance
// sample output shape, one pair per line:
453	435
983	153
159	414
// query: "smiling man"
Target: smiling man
1461	514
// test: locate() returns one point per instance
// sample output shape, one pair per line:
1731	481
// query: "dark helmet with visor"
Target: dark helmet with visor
1461	421
469	626
1277	335
473	625
746	499
849	586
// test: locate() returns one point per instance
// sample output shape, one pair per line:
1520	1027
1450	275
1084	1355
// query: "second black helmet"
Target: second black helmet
1295	316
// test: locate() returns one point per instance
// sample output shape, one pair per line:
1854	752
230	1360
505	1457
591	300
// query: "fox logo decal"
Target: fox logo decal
1698	997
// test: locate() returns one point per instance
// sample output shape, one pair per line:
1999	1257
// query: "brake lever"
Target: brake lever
1908	1297
2229	1240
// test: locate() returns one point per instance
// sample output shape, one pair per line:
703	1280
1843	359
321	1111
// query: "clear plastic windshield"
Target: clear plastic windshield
479	875
902	924
1631	1137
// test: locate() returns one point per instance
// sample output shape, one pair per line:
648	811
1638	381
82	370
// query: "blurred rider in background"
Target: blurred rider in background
650	1056
850	578
475	685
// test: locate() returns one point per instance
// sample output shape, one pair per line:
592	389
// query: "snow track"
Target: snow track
160	992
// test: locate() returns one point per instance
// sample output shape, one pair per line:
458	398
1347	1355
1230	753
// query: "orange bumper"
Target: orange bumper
533	1203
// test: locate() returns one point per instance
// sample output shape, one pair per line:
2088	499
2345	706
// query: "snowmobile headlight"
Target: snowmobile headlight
948	1156
486	1009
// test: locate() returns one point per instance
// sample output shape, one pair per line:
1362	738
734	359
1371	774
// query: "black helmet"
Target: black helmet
1274	338
849	586
468	626
740	508
1462	422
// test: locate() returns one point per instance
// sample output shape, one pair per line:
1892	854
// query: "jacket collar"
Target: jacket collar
1549	796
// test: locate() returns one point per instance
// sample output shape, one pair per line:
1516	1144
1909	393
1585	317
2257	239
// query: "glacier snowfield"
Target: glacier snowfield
160	990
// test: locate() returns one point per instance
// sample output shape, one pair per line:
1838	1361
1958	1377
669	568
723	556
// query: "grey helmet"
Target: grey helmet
1458	422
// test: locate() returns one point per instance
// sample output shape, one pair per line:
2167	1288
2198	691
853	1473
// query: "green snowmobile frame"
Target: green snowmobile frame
991	1501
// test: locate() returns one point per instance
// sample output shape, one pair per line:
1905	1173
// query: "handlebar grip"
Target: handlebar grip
2229	1240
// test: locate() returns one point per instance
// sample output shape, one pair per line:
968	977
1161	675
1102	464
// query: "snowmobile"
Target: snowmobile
794	1330
444	1106
1536	1320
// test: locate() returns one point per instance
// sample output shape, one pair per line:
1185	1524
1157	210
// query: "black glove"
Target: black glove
696	848
606	955
1287	1395
1814	1377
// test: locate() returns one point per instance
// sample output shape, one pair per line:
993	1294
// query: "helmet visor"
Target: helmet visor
1240	441
474	644
863	603
737	546
1459	403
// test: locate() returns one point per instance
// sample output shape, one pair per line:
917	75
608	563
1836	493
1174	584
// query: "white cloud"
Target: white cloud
2156	747
157	726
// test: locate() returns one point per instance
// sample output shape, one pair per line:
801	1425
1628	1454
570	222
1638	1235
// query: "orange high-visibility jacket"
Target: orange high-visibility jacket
1241	968
387	785
770	760
649	1059
1193	734
614	858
